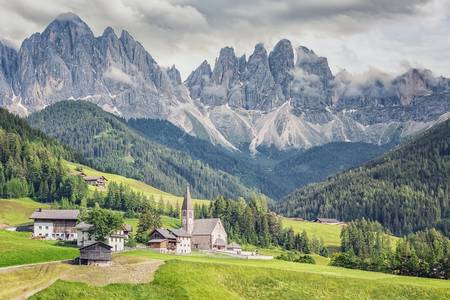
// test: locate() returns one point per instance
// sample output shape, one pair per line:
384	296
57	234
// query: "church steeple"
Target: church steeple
187	219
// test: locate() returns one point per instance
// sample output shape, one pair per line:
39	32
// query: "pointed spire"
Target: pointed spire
187	203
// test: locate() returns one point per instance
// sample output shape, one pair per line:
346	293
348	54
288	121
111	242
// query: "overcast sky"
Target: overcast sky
357	35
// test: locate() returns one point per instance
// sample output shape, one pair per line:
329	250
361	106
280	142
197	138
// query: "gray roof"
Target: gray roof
204	226
166	233
127	227
84	226
187	201
55	214
326	220
179	232
100	243
220	242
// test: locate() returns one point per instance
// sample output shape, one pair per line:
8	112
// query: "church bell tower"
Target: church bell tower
187	210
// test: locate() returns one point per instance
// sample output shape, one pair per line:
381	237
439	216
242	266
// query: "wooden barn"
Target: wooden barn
98	181
97	253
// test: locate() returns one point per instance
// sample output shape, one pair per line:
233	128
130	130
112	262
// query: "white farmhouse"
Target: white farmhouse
116	240
55	224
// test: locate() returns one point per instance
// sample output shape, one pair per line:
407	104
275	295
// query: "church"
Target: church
201	234
206	234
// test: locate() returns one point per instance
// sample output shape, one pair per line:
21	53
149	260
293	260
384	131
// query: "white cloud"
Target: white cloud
353	34
118	75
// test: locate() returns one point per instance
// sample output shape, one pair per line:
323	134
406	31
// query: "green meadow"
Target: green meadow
200	276
134	184
330	234
18	211
17	248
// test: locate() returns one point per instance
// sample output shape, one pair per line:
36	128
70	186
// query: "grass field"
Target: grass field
201	277
16	248
134	184
17	211
329	233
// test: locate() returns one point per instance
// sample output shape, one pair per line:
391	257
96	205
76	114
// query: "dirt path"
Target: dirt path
21	282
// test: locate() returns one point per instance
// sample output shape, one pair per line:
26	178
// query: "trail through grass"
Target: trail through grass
202	277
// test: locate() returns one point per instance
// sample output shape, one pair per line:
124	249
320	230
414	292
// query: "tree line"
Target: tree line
406	190
366	245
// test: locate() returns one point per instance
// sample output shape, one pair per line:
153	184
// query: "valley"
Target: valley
266	171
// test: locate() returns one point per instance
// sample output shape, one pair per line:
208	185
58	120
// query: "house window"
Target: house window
46	227
40	227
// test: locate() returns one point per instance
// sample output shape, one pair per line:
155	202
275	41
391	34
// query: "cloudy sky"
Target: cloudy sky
358	35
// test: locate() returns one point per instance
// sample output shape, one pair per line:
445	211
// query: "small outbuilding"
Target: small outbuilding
327	221
234	247
97	253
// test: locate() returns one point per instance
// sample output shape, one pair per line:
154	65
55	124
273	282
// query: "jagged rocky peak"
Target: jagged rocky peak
309	62
260	91
69	26
174	75
281	63
225	67
198	79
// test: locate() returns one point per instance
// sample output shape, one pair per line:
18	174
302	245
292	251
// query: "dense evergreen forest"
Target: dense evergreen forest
108	144
275	173
365	245
406	190
31	164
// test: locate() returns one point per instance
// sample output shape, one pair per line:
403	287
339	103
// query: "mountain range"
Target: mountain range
284	99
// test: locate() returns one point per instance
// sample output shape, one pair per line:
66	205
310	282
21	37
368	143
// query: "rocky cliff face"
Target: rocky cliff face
278	99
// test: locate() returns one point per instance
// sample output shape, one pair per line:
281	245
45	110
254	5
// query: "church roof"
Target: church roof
187	202
179	232
204	226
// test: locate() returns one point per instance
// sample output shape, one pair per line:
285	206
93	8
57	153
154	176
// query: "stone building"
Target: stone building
206	234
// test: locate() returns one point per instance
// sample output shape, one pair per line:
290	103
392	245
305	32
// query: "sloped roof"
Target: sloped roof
127	227
84	226
204	226
220	242
56	214
187	202
165	233
326	220
157	240
94	243
179	232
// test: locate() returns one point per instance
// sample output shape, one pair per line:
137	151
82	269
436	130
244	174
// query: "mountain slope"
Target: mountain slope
286	97
406	190
273	172
108	144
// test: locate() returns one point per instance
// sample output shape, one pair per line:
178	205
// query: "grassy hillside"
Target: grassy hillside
16	248
134	184
329	233
406	190
18	211
108	144
201	277
275	173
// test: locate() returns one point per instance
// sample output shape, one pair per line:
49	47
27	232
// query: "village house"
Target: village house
96	253
98	181
327	221
116	240
170	241
55	224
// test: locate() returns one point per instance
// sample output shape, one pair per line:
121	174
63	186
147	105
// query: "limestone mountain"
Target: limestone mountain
287	97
